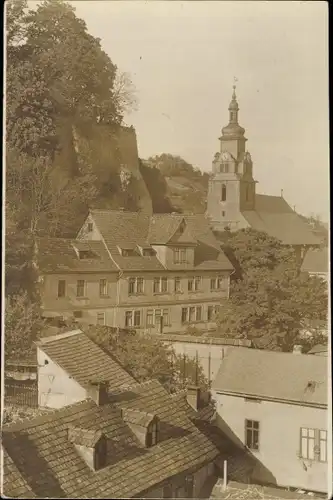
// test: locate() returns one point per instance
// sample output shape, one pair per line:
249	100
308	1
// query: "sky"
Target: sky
183	57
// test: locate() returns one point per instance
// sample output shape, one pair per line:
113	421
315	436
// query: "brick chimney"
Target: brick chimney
98	391
297	349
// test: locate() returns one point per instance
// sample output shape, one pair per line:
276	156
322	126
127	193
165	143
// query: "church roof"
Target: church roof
316	261
274	216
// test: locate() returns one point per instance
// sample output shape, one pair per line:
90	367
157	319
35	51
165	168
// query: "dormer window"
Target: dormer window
90	227
144	425
147	251
127	252
91	444
152	434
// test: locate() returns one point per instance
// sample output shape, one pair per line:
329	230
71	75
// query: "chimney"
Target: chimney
193	396
297	349
98	391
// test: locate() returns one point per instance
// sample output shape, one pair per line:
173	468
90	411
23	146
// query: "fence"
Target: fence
21	393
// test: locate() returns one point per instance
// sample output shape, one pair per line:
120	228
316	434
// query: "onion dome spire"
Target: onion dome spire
233	128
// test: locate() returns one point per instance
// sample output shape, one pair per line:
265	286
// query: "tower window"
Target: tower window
223	213
223	192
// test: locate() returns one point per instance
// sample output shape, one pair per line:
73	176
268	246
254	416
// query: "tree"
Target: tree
22	325
270	301
146	357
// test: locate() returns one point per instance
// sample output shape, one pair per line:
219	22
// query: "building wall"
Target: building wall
200	477
279	439
118	300
172	301
209	355
55	387
231	207
90	305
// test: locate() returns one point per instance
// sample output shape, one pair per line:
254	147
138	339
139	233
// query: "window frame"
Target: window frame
104	318
313	443
103	290
223	192
133	285
61	288
128	315
83	284
90	227
136	314
249	427
177	285
152	434
161	285
150	314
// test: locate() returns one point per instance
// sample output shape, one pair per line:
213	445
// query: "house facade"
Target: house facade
160	273
284	425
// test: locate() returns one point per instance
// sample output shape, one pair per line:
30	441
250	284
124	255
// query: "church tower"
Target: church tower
231	187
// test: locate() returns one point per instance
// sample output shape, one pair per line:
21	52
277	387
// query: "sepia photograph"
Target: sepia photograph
166	323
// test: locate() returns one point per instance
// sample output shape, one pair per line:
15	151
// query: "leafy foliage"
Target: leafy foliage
22	325
270	300
146	357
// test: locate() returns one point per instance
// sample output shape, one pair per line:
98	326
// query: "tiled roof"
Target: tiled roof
83	360
137	417
58	471
128	229
59	255
267	375
84	437
316	261
275	217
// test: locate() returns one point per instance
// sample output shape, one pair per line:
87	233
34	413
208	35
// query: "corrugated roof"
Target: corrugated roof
128	229
316	261
268	374
83	360
58	471
59	255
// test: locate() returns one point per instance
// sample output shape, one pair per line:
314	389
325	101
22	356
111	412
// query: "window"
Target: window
167	491
80	288
139	285
313	444
252	434
189	485
177	285
164	285
100	454
165	316
61	288
137	318
198	314
210	313
103	288
90	227
194	284
223	192
218	283
101	318
160	285
152	434
223	213
157	315
128	318
179	256
135	286
191	314
150	317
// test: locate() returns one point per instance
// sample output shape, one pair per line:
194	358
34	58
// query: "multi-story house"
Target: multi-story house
275	405
130	270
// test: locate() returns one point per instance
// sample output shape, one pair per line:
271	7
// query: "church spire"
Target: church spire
233	129
233	107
